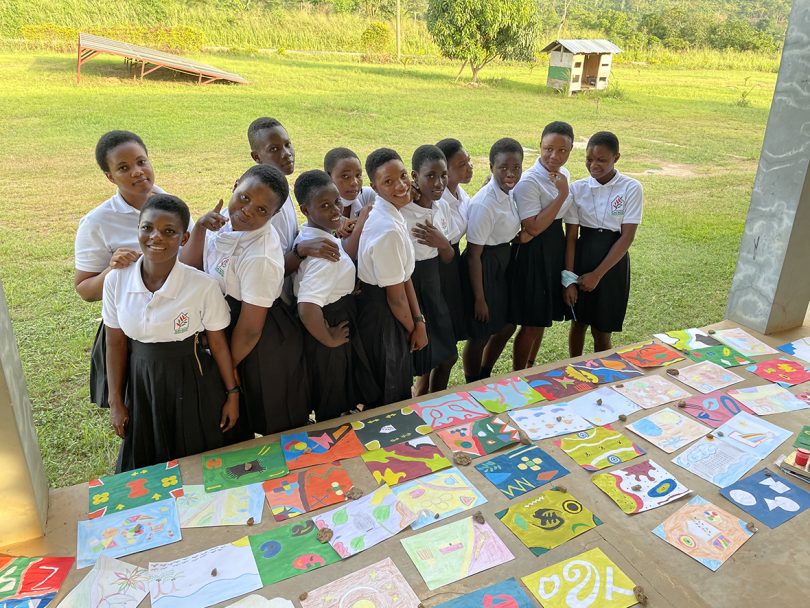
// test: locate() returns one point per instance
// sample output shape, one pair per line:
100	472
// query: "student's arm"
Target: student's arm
571	233
540	222
218	344
247	332
428	234
351	244
323	248
418	336
192	251
311	316
397	299
477	282
590	280
116	370
90	285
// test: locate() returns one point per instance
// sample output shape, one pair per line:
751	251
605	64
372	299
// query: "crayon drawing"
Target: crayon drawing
233	507
603	370
602	406
768	399
222	470
784	372
549	421
684	339
557	384
599	448
640	487
438	496
111	583
308	448
481	437
450	410
722	355
752	434
714	408
668	430
718	462
35	580
505	394
770	498
388	429
404	461
649	354
521	470
257	601
307	490
651	391
743	342
505	594
798	348
707	377
134	488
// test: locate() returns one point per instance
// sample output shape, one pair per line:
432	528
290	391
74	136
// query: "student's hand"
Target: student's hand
230	413
416	193
570	295
323	248
119	416
481	311
524	237
559	181
428	234
123	257
339	334
418	338
362	215
486	180
588	281
213	220
346	227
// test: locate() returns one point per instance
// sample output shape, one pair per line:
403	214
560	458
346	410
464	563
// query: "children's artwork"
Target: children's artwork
481	437
651	391
704	532
521	470
290	550
649	354
307	490
589	579
603	370
364	522
116	493
743	342
599	448
505	394
706	377
438	496
308	448
33	579
257	601
455	551
668	430
722	355
684	339
404	461
388	429
803	438
602	406
768	399
640	487
205	578
379	585
223	470
549	421
719	462
450	410
557	384
111	583
505	594
752	434
714	408
128	532
783	372
233	507
548	520
770	498
798	348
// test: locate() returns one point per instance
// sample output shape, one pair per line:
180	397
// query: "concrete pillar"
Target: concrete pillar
771	287
23	484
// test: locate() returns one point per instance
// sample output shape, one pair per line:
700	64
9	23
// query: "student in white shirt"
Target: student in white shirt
343	166
608	209
538	259
339	372
492	224
390	322
241	251
168	397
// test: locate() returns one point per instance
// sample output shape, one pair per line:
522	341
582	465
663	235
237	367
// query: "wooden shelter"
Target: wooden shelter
579	65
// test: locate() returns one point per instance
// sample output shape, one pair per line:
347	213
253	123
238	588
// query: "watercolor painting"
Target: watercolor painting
505	394
743	342
481	437
548	520
549	421
589	579
308	448
602	406
769	497
110	584
599	448
505	594
603	370
722	355
405	461
705	532
668	430
714	408
651	391
798	348
307	490
223	470
684	339
640	487
450	410
455	551
387	429
649	354
438	496
233	507
521	470
707	377
379	585
718	462
32	579
784	372
752	434
557	384
768	399
134	488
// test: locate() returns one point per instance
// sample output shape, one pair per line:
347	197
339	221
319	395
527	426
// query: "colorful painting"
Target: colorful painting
649	354
798	348
505	394
603	370
557	384
481	437
365	522
668	430
128	532
684	339
714	408
505	594
770	498
640	487
388	429
521	470
752	434
290	550
651	391
205	578
589	579
548	520
768	399
233	507
405	461
549	421
134	488
718	462
308	448
308	490
743	342
111	583
722	355
455	551
438	496
602	406
450	410
223	470
803	438
707	377
33	579
599	448
379	585
704	532
784	372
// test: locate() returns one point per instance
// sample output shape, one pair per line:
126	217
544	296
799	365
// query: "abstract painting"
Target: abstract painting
450	410
134	488
549	421
770	498
783	372
602	406
557	384
707	377
718	462
768	399
798	348
111	583
438	496
33	579
222	470
405	461
603	370
743	342
713	408
651	391
233	507
307	490
521	470
722	355
640	487
308	448
668	430
752	434
481	437
683	339
649	354
505	594
505	394
388	429
599	448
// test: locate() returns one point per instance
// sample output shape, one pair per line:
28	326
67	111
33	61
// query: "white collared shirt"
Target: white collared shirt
607	206
187	303
493	218
366	197
322	282
458	208
438	216
286	224
385	254
535	191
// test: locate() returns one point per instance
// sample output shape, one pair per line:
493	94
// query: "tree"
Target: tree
478	31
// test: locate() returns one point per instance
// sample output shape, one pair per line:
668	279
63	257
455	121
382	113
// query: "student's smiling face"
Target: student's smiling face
324	208
555	150
252	204
600	161
273	147
459	167
391	182
129	169
507	169
431	179
161	234
348	177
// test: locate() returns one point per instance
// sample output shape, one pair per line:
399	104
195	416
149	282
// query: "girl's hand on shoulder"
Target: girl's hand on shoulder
589	281
481	311
339	334
428	234
119	417
346	227
570	295
230	413
213	220
416	193
124	257
362	215
418	338
323	248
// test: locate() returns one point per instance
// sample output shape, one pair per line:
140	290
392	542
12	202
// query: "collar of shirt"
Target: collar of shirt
171	286
501	197
311	232
592	183
119	205
227	239
389	209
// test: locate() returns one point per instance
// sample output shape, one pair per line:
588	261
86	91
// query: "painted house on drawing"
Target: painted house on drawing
579	65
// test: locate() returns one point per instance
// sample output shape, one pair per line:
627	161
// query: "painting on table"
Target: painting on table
640	487
123	491
481	437
404	461
505	594
35	580
683	339
599	448
668	430
603	370
743	342
222	470
387	429
718	462
651	391
722	355
232	507
752	434
649	354
549	421
110	584
713	408
505	394
784	372
707	377
307	490
602	406
769	497
438	496
768	399
798	348
557	384
450	410
521	470
308	448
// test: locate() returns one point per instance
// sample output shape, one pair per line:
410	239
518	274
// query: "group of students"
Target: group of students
244	323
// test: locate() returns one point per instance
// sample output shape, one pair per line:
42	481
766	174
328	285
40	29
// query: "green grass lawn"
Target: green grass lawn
682	131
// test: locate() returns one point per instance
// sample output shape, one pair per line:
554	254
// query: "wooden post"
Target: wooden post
79	62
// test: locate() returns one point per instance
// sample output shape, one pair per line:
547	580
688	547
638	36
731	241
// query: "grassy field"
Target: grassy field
690	136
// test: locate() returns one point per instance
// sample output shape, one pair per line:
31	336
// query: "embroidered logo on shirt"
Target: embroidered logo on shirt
222	266
617	206
181	323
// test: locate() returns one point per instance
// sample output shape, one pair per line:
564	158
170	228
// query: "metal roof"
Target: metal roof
583	46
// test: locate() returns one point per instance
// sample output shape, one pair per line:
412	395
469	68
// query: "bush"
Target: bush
377	37
49	33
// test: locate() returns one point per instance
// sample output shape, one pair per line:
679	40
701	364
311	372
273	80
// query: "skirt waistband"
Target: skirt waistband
165	350
587	230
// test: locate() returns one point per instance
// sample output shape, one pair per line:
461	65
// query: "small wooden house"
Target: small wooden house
579	65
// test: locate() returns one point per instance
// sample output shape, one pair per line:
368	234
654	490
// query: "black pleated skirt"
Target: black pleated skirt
494	265
535	279
450	275
441	337
98	368
175	396
603	308
386	344
339	378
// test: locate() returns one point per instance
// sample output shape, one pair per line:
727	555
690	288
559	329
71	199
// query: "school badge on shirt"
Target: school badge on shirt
222	266
617	205
181	323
